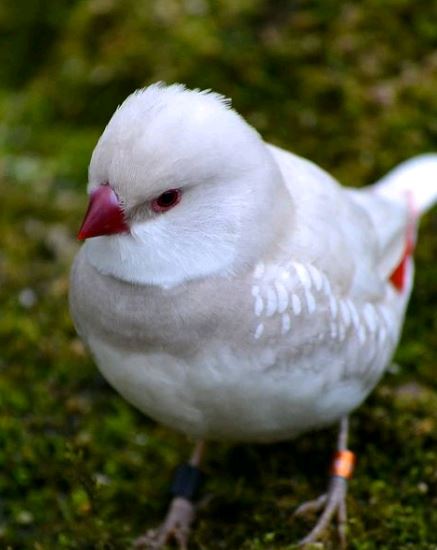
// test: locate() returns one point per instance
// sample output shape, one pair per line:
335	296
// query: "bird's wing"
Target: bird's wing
354	237
393	225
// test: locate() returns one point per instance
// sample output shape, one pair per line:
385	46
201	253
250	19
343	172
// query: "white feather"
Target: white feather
218	161
416	178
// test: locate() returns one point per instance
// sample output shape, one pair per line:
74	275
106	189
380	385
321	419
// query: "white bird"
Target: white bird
235	291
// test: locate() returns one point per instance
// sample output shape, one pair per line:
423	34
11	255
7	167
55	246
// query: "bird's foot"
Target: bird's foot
332	503
176	527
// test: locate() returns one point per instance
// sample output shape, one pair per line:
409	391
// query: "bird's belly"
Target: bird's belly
232	399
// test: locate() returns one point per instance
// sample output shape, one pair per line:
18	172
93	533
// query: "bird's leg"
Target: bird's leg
334	501
181	512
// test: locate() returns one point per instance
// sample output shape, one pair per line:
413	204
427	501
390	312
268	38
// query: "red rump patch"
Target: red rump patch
399	276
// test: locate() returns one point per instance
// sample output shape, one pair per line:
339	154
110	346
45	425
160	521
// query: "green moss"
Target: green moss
351	86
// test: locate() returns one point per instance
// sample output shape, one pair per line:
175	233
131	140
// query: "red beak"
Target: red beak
104	215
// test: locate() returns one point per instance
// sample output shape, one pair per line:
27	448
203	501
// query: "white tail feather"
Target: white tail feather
416	177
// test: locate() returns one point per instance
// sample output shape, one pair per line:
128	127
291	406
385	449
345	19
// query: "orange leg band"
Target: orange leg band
343	464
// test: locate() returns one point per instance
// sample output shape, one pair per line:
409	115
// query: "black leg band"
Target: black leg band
186	482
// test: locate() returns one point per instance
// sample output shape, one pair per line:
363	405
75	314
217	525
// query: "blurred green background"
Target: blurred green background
351	85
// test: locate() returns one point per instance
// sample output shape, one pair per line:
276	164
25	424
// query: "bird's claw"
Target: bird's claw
176	526
332	503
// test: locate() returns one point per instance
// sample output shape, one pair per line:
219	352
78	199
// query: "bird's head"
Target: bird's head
180	187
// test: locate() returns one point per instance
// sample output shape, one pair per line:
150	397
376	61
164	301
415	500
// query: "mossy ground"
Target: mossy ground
350	85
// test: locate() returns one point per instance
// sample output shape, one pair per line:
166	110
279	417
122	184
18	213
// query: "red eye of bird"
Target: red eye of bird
166	200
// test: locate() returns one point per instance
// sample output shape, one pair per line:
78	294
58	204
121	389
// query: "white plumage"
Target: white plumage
269	301
307	263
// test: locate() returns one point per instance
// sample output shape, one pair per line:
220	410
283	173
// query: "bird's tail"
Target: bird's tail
416	179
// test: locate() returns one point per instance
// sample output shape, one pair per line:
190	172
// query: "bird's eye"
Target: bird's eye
166	200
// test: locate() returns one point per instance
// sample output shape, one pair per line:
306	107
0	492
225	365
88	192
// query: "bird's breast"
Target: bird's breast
261	358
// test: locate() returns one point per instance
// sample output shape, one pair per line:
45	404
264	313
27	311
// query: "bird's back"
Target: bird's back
356	237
